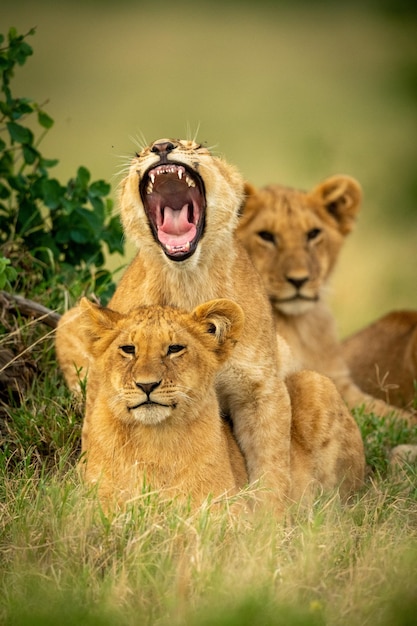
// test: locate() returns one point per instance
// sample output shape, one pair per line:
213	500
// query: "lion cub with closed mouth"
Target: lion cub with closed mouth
152	414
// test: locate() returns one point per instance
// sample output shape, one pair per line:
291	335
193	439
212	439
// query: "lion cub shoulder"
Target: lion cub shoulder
152	415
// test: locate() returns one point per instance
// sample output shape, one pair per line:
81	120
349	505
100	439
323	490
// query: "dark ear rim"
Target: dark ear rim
341	197
249	189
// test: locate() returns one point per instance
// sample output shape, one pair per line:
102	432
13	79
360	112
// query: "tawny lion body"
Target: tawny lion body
180	206
382	358
153	419
294	239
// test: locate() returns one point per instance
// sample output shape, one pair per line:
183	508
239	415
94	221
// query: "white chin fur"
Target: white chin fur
150	415
295	307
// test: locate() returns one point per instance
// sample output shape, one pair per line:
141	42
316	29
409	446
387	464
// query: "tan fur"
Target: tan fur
176	443
250	387
184	449
326	445
294	239
382	358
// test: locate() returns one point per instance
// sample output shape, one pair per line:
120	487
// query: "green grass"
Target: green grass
64	561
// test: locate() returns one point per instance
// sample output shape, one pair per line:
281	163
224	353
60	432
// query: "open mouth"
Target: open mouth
174	201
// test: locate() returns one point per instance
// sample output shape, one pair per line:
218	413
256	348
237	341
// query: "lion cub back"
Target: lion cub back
152	415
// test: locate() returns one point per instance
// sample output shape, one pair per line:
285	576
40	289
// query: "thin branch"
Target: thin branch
30	308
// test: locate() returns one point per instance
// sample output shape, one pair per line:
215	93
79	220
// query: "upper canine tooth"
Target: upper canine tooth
152	177
179	172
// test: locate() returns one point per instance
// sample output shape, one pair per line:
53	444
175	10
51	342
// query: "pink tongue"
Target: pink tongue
176	230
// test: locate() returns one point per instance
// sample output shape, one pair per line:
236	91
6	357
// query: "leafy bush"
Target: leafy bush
55	231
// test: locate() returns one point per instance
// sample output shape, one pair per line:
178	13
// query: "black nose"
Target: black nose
148	387
297	282
163	146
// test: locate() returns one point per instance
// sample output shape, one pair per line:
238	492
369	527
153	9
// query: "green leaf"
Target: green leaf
48	163
109	206
98	206
12	34
80	236
99	188
89	219
22	106
19	133
52	193
83	177
25	50
113	236
45	120
4	192
30	154
7	273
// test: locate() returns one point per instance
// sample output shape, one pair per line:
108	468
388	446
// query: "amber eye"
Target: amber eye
128	349
266	236
174	348
313	234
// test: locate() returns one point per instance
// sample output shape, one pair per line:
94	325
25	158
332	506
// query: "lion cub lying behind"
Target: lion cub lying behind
382	357
153	417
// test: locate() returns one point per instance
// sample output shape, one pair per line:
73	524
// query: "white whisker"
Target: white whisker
139	141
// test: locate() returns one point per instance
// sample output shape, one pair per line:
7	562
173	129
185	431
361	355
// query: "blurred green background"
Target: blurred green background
289	91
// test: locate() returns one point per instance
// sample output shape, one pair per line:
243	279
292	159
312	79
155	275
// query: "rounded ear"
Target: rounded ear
222	321
340	197
96	321
249	189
